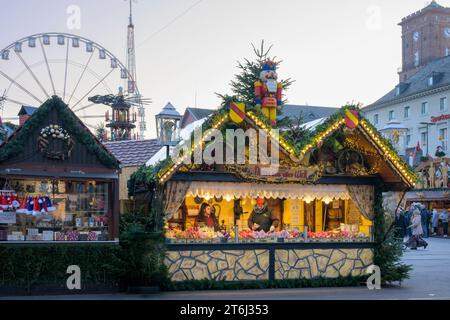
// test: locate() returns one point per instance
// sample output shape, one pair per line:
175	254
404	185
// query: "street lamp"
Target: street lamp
167	127
427	124
394	130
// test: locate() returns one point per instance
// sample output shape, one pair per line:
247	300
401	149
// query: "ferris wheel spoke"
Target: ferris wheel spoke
20	86
48	66
32	73
81	77
84	107
93	88
65	72
15	101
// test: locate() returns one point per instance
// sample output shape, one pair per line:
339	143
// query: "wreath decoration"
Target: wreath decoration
54	131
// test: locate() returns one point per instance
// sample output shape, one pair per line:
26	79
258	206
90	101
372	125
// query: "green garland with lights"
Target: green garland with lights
16	142
388	249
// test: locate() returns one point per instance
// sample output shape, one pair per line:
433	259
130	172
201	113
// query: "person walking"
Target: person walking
417	232
435	221
400	225
407	216
444	219
425	218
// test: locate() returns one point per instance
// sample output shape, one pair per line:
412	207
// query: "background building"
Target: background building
132	154
425	37
420	101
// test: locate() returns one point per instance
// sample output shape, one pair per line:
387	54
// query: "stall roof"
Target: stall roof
132	153
15	144
395	169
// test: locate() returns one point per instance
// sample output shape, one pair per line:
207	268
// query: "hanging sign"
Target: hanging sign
278	174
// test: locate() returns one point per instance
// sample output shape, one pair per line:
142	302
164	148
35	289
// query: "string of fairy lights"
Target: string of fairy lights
391	155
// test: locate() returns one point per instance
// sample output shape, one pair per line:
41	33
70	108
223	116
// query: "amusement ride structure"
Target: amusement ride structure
80	71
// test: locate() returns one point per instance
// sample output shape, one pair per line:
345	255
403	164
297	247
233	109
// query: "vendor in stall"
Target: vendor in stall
206	217
262	217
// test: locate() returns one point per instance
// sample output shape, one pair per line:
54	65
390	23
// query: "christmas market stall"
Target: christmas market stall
313	216
58	183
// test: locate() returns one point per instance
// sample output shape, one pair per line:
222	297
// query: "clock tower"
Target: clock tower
425	37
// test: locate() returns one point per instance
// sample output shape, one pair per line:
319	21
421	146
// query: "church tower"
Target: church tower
425	37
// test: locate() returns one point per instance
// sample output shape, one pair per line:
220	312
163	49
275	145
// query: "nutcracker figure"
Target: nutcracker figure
268	91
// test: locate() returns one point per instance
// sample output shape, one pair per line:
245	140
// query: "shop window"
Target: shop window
58	210
408	140
423	138
210	219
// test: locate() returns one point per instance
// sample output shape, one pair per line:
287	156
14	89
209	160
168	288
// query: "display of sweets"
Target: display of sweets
60	236
3	235
72	235
92	236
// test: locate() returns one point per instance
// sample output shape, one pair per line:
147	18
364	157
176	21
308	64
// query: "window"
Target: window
443	104
391	115
375	118
57	210
430	81
407	112
408	140
424	109
416	59
443	138
423	139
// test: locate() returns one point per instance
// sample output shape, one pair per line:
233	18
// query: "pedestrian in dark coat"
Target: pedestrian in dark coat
425	220
400	224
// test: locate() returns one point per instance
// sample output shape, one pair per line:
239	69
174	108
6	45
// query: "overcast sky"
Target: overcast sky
336	51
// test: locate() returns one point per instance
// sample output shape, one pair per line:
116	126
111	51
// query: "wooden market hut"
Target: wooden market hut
54	155
329	180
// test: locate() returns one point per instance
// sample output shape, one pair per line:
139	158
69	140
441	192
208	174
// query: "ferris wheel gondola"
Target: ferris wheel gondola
36	67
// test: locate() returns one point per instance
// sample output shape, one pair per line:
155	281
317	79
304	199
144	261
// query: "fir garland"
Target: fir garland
388	249
16	142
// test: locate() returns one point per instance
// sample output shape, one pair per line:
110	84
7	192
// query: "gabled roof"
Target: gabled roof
75	127
309	113
133	152
27	110
320	129
198	113
185	133
418	84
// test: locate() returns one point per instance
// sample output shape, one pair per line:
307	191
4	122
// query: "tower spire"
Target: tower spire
131	13
132	74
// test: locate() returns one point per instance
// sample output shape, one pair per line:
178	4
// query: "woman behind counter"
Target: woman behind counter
206	217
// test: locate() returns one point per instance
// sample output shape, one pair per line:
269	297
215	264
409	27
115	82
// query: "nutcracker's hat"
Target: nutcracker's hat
269	65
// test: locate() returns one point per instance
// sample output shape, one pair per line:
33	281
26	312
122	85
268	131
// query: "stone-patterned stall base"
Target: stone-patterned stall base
331	263
229	265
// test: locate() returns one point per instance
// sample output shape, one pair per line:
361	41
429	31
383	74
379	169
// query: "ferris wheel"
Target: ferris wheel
74	68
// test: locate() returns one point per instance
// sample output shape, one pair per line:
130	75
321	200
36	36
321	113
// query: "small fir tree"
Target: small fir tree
243	85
